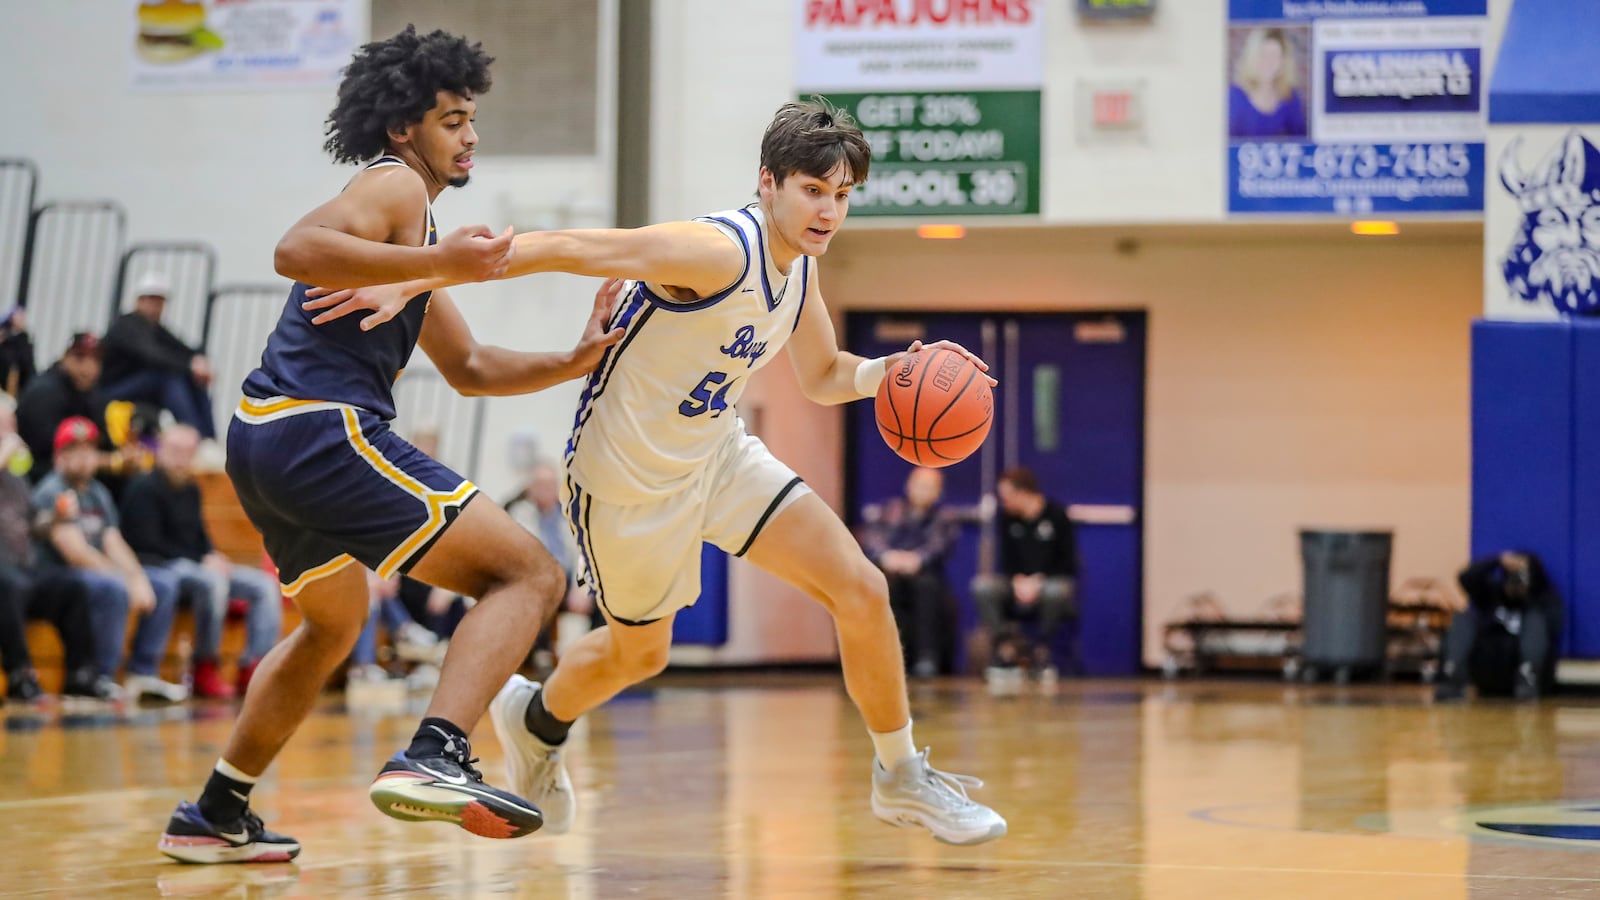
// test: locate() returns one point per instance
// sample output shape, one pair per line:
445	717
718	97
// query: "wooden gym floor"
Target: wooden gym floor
756	786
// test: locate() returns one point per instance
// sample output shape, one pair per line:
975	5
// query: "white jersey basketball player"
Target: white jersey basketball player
659	461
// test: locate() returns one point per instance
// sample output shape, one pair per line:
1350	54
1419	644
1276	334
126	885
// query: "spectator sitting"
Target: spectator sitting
75	525
908	538
537	507
164	526
25	595
16	352
144	362
70	388
66	389
1039	562
411	641
1509	594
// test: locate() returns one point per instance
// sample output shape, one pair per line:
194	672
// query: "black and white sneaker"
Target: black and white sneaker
448	789
191	838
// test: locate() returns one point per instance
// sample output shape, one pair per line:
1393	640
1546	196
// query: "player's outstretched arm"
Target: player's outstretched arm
481	369
830	376
695	256
372	233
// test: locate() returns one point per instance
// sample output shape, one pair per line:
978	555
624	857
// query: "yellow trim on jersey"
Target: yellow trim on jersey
436	501
259	412
322	571
352	433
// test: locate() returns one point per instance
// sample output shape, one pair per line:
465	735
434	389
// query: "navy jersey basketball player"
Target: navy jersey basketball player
333	489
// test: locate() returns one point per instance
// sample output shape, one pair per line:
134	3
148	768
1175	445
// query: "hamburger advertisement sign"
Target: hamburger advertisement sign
204	44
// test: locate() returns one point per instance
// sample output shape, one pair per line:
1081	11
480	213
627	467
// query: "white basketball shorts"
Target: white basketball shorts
641	562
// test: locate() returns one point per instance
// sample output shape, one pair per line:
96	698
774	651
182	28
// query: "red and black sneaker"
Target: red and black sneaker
448	789
191	838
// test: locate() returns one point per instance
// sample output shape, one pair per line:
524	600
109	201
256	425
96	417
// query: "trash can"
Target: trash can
1345	628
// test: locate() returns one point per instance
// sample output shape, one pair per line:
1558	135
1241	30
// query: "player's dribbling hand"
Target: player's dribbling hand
385	300
942	345
597	333
474	253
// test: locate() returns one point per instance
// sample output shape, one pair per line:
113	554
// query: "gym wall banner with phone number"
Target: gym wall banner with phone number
949	95
1350	107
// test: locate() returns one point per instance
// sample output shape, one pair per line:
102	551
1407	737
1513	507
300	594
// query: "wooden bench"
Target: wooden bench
235	538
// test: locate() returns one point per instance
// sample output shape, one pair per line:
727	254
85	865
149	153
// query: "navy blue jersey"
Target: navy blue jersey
338	361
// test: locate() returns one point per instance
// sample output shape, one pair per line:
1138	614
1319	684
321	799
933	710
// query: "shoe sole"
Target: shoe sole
417	798
508	727
210	851
908	817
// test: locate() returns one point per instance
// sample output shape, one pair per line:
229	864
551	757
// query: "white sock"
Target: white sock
893	747
228	769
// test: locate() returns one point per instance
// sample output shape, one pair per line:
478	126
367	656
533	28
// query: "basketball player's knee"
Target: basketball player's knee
333	634
548	582
534	571
863	592
645	659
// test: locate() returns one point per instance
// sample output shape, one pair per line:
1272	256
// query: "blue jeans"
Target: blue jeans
211	590
393	615
175	392
108	617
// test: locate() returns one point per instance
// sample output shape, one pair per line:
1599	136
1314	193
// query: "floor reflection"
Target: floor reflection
757	787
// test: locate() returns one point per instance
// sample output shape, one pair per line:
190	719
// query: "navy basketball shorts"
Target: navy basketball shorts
329	484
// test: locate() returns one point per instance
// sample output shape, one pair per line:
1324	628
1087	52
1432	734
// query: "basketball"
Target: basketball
934	408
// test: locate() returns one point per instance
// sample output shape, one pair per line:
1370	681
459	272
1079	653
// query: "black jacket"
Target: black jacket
45	403
1484	582
1046	545
135	344
162	522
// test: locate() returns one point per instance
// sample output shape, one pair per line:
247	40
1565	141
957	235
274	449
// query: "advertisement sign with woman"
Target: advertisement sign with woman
1354	108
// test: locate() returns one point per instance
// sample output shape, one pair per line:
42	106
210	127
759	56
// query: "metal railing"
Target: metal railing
188	267
19	190
69	268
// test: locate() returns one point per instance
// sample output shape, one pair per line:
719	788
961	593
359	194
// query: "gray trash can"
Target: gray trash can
1346	602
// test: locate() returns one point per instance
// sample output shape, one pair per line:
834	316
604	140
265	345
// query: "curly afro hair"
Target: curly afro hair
393	83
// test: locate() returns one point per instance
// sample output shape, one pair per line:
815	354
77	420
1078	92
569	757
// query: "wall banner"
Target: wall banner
1356	106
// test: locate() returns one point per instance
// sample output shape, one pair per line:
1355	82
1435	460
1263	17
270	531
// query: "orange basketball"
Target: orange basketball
934	408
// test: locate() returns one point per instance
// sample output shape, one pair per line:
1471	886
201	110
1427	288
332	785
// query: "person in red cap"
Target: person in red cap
75	521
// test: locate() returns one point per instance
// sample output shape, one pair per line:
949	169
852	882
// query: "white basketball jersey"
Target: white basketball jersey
662	399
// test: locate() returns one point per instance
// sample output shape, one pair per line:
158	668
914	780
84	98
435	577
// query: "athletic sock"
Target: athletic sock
542	725
434	736
893	747
226	794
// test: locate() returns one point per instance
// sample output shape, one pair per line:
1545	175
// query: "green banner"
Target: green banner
952	153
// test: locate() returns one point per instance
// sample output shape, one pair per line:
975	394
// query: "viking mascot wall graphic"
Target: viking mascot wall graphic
1554	260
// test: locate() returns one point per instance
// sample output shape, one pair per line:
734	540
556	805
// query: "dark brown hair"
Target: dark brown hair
811	137
1021	478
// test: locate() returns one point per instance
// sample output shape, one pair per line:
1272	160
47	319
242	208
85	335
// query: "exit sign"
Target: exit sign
1115	9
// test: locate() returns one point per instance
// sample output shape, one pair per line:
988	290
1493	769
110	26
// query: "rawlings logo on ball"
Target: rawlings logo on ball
902	375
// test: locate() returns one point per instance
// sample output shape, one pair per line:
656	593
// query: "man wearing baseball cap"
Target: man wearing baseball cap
75	523
146	363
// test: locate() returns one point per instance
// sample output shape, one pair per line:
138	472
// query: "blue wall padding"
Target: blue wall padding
1583	601
1523	442
1546	71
